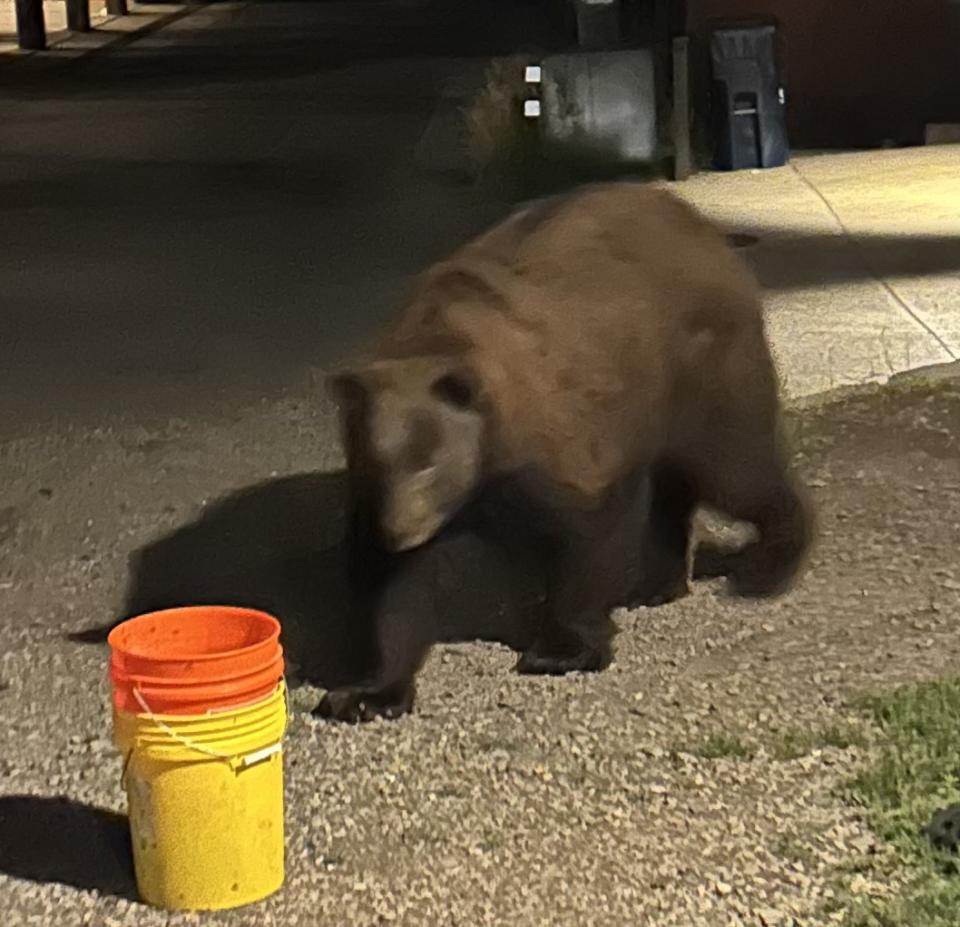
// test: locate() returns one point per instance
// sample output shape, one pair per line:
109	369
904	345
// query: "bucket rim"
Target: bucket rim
246	710
183	610
193	708
119	675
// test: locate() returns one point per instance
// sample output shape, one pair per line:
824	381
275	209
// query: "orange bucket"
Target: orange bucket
189	661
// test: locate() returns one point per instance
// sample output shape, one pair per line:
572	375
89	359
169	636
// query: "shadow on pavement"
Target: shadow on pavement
277	546
787	260
60	840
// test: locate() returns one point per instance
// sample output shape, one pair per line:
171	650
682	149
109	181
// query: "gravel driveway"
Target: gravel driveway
654	793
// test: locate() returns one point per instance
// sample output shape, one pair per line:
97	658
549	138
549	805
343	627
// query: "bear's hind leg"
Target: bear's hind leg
585	571
753	486
663	565
576	632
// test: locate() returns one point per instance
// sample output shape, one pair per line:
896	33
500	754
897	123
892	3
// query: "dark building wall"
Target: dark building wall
856	71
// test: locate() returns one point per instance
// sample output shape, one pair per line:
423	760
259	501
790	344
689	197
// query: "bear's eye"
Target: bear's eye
453	389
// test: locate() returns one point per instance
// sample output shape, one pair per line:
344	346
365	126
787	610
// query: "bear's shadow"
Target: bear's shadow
278	546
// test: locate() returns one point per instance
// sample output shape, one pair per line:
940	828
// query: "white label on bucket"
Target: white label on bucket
532	74
251	759
531	108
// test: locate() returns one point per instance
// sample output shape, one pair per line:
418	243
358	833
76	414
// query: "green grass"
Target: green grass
720	746
790	745
913	771
493	743
793	744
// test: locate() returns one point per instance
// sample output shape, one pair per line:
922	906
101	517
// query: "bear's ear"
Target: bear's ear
458	387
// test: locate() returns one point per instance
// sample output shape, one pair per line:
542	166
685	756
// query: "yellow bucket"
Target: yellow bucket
205	795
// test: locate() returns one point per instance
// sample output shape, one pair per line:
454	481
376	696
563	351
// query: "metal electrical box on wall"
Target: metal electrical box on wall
600	103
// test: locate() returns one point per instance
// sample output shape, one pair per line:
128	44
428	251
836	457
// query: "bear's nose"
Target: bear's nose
392	538
400	541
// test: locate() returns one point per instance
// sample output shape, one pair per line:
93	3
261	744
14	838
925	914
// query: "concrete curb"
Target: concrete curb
128	38
932	373
929	375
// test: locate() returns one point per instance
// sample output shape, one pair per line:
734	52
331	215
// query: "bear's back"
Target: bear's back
608	243
579	313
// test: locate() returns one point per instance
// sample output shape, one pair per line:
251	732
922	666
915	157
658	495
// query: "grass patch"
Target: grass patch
791	745
501	142
913	772
721	746
492	743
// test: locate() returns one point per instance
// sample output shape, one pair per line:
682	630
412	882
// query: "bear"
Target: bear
587	372
494	555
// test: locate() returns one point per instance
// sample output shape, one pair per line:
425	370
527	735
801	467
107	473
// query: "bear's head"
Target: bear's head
414	439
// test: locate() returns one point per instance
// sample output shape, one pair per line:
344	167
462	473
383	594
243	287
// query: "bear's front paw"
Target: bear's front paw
542	661
357	706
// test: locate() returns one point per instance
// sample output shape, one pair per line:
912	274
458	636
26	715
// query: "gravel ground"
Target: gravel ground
504	799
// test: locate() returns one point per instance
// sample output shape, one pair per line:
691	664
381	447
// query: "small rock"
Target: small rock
770	917
943	831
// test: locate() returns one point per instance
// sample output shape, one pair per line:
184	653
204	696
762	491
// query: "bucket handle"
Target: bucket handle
126	767
243	762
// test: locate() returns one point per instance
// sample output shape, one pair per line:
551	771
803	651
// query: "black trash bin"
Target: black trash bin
749	123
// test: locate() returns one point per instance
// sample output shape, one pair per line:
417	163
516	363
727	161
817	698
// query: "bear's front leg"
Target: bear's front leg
400	604
585	575
357	704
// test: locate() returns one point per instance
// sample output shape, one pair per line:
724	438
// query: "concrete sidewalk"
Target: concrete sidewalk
105	30
860	255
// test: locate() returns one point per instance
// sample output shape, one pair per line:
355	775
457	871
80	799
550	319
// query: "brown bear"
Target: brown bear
587	372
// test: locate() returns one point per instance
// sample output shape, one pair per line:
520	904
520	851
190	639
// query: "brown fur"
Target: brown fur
603	327
593	354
